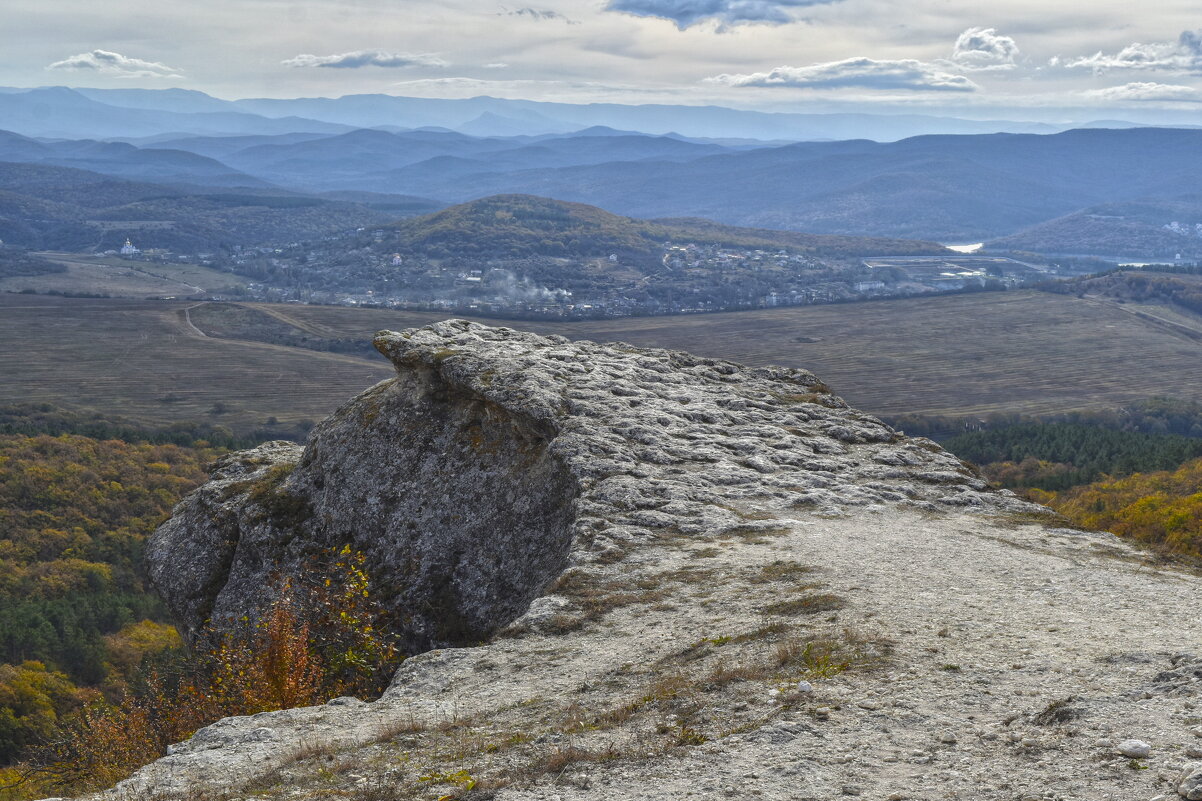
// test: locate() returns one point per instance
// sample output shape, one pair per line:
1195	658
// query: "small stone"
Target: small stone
805	687
851	789
1028	742
949	738
1193	751
896	797
1103	742
1134	749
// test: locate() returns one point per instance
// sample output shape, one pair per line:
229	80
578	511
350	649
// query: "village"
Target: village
688	278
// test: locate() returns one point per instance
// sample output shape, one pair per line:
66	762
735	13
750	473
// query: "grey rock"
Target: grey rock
496	459
1134	749
1189	786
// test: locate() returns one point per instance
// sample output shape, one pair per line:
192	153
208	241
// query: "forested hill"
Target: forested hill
61	208
519	226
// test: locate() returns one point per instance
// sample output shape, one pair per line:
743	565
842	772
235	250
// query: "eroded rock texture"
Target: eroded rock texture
497	458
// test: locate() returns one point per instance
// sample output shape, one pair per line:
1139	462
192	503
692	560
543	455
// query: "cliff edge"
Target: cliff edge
497	458
639	574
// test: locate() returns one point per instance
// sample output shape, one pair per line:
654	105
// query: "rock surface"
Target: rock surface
497	458
767	595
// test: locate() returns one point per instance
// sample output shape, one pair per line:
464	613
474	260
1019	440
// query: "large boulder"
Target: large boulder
496	458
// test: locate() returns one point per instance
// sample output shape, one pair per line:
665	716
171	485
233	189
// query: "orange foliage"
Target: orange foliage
1163	509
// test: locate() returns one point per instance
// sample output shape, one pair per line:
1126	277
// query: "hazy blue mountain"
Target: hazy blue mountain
65	113
218	147
1150	230
941	187
184	101
367	159
124	160
53	207
127	113
371	110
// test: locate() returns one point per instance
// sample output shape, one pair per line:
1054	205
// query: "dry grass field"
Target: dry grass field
142	360
117	277
1025	351
967	354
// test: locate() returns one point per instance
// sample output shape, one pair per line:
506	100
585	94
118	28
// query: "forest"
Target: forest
1135	471
84	644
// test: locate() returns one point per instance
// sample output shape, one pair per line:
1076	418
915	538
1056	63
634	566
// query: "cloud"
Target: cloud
109	63
1183	56
907	74
1146	92
686	13
541	15
366	58
984	49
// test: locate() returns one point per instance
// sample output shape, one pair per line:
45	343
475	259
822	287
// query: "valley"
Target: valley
1020	351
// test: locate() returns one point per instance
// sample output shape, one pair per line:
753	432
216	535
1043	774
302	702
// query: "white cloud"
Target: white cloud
1146	92
109	63
366	58
984	49
686	13
906	74
1183	56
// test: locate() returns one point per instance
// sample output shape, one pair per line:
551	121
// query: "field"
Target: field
1021	351
143	360
117	277
965	354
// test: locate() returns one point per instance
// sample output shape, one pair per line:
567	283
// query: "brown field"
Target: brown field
1025	351
142	360
122	278
966	354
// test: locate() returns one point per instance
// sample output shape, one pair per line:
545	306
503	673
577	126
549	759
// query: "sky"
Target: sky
1039	59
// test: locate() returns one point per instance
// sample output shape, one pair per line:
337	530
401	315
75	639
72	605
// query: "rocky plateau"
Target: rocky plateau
639	574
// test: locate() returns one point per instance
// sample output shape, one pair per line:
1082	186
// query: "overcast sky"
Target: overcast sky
1046	57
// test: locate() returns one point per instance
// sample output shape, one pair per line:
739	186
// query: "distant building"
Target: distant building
128	249
397	261
868	286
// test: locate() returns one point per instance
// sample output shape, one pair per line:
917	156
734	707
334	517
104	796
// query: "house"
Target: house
128	249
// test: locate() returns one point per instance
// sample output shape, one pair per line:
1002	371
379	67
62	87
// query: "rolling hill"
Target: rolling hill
517	226
60	208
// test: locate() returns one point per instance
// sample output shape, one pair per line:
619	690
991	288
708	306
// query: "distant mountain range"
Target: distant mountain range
140	113
1130	191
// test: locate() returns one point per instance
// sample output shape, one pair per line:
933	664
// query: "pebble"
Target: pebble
805	687
948	738
1193	751
1134	749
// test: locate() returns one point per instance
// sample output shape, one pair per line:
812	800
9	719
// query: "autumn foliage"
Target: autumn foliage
1162	509
320	640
